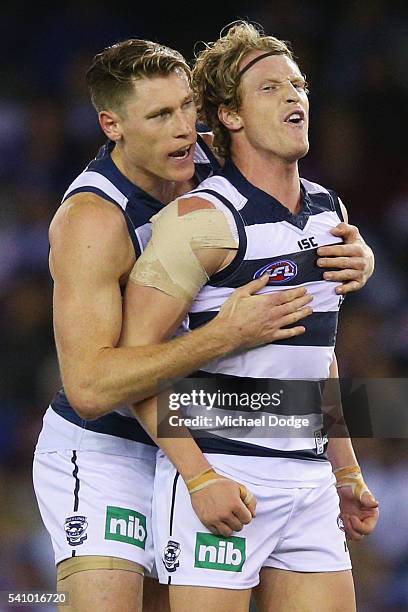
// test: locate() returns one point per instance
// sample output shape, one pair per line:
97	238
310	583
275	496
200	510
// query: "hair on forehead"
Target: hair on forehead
114	71
216	75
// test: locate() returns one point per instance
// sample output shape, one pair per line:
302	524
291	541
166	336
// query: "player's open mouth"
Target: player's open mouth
181	154
296	117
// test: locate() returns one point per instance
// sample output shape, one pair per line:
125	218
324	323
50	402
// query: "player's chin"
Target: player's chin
298	152
180	171
302	147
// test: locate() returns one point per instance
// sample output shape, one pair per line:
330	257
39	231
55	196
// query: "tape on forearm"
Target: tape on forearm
209	477
351	476
169	262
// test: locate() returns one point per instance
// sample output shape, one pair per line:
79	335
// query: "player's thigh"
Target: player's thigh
206	599
103	591
282	590
155	596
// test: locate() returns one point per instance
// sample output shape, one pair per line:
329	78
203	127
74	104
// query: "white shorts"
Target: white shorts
295	529
95	503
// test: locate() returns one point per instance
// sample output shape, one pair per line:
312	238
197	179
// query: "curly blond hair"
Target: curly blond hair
216	74
113	72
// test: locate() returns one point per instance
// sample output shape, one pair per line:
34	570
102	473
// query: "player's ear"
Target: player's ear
110	124
230	118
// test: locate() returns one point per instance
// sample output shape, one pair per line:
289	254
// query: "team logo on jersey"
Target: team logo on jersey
218	553
170	556
281	271
124	525
75	528
340	523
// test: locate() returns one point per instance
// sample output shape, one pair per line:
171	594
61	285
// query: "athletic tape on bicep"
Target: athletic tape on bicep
169	262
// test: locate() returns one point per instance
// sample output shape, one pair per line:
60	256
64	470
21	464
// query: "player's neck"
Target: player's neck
276	177
162	190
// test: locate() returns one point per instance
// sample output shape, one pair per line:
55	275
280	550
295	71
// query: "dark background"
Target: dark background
355	56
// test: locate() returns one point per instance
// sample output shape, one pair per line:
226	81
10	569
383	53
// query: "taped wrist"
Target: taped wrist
209	477
202	481
351	476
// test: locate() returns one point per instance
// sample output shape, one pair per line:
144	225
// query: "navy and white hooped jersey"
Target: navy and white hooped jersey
272	240
103	178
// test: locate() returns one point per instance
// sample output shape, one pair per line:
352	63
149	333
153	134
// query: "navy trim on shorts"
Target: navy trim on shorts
77	483
173	503
77	486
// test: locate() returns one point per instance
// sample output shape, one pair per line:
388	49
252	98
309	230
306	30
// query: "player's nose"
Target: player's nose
183	125
291	93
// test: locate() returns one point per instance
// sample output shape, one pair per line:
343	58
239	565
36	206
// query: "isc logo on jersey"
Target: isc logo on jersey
124	525
281	271
218	553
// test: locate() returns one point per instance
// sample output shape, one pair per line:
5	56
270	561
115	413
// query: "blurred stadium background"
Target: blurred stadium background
355	55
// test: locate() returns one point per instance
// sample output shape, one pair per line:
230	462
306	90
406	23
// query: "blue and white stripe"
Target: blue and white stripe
270	233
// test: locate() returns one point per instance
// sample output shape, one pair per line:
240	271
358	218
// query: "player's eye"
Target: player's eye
300	86
162	114
270	87
188	104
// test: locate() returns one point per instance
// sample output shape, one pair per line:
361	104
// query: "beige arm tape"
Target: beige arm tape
209	477
169	261
73	565
351	476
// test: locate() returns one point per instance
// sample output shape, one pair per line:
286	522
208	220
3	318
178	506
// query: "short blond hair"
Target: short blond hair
216	75
114	71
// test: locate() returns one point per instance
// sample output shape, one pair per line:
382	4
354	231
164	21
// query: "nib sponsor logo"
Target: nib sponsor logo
124	525
218	553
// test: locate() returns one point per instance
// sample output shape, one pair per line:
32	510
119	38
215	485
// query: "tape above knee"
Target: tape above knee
74	565
169	262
